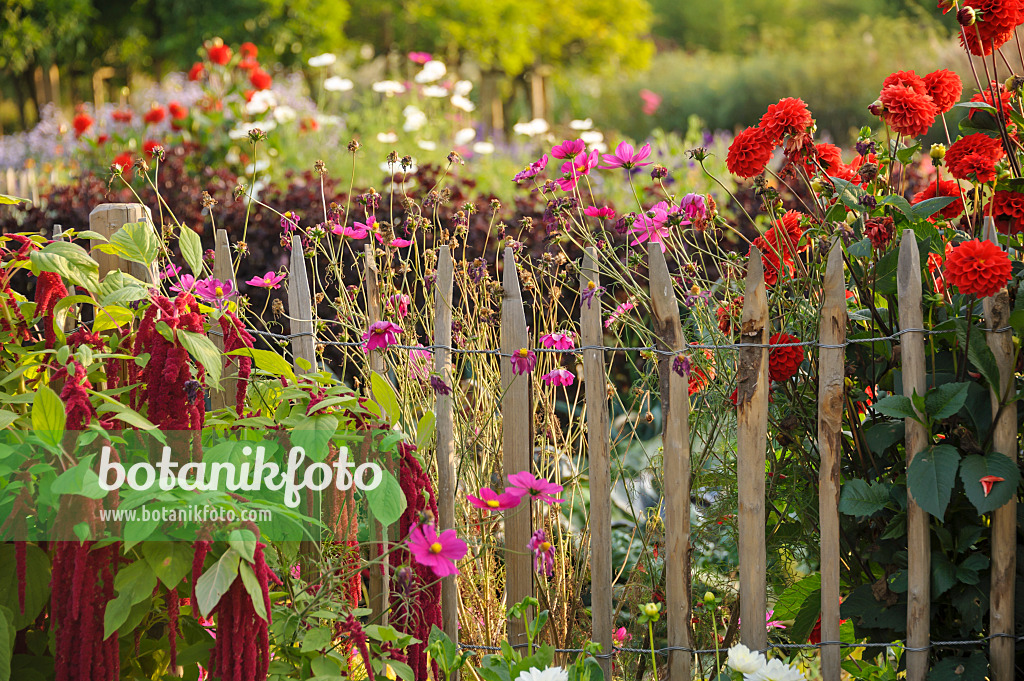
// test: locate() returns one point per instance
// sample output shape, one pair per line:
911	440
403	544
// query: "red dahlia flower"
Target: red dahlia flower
749	152
827	157
218	52
122	116
196	72
260	79
907	79
774	258
177	111
945	188
248	50
1008	210
945	88
994	25
784	362
156	114
907	111
1005	100
977	144
81	123
978	267
789	116
879	231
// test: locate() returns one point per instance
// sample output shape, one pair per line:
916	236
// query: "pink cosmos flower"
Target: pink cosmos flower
380	335
186	283
543	553
531	170
772	624
523	361
694	206
558	340
562	377
401	303
525	483
626	157
604	212
171	270
620	636
576	168
358	231
492	501
395	242
271	280
651	101
420	57
215	291
437	552
651	226
618	312
569	148
419	362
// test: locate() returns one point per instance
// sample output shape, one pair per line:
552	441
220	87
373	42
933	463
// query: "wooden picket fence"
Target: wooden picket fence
751	437
24	184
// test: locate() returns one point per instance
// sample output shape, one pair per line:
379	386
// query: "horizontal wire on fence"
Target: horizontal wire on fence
609	348
898	645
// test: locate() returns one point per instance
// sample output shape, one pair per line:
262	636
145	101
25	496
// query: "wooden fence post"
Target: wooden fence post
752	442
300	309
598	460
445	429
107	218
517	445
1004	518
908	281
380	581
224	271
675	401
831	394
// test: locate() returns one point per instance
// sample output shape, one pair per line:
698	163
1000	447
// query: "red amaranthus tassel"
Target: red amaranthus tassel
235	337
49	291
242	652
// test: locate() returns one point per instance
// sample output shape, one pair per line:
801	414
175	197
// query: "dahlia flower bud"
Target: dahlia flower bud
938	152
966	16
868	172
876	108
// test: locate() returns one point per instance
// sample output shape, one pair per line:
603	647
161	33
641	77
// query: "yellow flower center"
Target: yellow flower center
492	503
436	547
544	546
523	352
219	291
695	290
591	285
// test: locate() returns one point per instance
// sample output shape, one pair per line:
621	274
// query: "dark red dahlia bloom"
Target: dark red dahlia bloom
788	117
784	362
945	188
907	111
1008	210
945	88
974	153
749	153
993	26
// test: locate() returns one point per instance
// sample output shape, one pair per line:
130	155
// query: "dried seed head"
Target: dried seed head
320	167
208	200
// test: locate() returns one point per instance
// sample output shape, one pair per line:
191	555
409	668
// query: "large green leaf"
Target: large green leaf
135	241
425	429
37	583
387	501
896	406
191	249
203	351
253	588
48	416
216	581
974	468
266	360
862	499
170	561
7	633
945	400
384	395
930	478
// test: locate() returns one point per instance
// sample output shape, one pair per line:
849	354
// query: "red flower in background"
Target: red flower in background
945	88
945	188
994	25
247	64
260	79
248	50
122	116
651	100
972	154
749	153
789	116
699	378
906	110
1005	100
784	362
81	123
827	158
125	162
218	52
149	146
177	111
978	267
726	316
790	223
196	72
1008	210
155	114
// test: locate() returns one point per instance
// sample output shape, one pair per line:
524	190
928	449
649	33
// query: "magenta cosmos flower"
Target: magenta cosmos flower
270	280
526	483
380	335
604	212
576	168
562	377
215	291
523	361
493	501
186	283
395	242
626	157
543	553
558	340
437	551
622	309
651	226
569	148
420	57
171	270
531	170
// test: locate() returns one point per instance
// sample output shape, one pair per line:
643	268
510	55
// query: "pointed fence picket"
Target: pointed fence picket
752	444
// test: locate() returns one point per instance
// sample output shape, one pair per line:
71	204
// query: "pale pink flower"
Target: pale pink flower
493	501
622	309
171	270
525	483
561	377
419	362
651	101
437	551
271	280
626	157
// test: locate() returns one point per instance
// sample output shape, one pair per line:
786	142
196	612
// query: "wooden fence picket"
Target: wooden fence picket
598	460
908	281
1004	518
223	270
300	309
517	444
445	428
752	443
831	395
675	409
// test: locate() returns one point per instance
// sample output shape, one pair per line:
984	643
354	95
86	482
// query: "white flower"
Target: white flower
435	91
257	167
775	670
242	131
464	136
233	156
414	119
261	101
387	137
585	124
743	661
463	88
592	136
397	168
538	126
388	87
284	113
426	145
483	148
460	102
325	59
432	70
549	674
337	84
